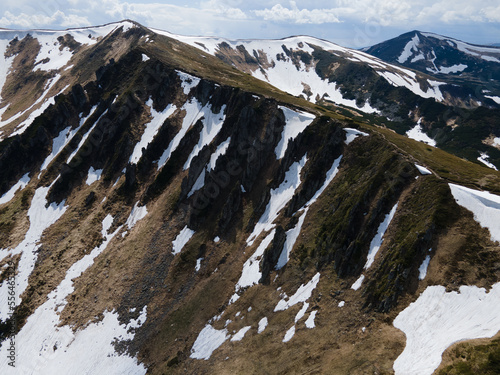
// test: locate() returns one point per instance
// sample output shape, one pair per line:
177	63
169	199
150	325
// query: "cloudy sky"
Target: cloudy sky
352	23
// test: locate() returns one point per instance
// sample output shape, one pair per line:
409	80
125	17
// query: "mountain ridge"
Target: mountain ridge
190	217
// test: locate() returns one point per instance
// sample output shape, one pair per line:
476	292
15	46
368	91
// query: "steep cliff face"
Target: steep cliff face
169	214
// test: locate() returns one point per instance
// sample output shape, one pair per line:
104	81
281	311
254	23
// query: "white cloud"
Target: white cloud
296	15
27	21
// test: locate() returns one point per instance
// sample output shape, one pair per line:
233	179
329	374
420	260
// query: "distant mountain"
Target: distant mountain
446	58
425	106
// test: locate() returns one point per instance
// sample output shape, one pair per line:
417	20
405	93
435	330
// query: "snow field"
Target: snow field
44	347
438	319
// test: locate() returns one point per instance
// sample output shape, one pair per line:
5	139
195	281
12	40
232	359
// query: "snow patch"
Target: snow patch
296	123
181	240
279	198
310	320
19	185
208	340
198	264
187	81
301	312
240	334
136	214
379	237
289	334
483	158
352	134
438	319
423	170
251	273
341	304
41	218
357	284
152	128
422	270
410	47
301	295
212	125
418	134
484	205
93	175
262	325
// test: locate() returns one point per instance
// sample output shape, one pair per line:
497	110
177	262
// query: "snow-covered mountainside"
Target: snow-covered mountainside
163	212
423	107
446	58
291	64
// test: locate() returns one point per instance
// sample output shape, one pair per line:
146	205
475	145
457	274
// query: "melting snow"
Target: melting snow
451	69
41	217
357	284
352	134
438	319
198	264
19	185
301	295
251	273
194	112
289	334
301	312
379	237
484	159
423	170
93	175
279	198
412	45
418	134
262	325
84	138
145	57
44	347
64	137
152	128
293	234
221	150
136	214
310	320
291	238
181	240
484	205
296	123
208	341
496	99
212	125
341	303
240	334
422	270
188	81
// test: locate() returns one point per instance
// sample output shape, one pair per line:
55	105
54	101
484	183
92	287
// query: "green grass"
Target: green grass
469	359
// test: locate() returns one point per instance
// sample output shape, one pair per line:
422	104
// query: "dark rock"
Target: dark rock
272	254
